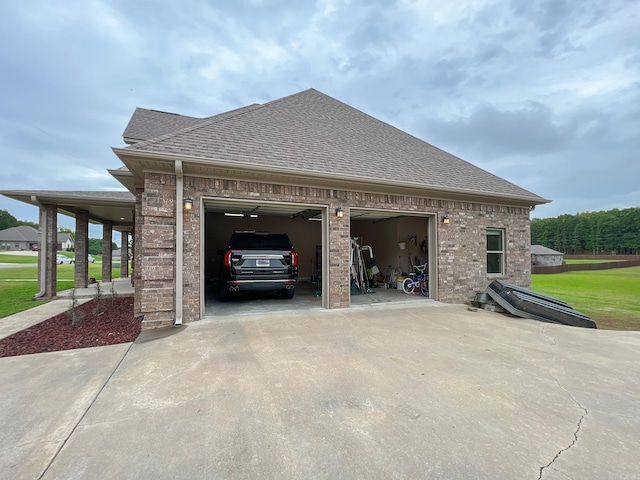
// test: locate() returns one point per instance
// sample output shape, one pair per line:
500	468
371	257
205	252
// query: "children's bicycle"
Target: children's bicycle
419	283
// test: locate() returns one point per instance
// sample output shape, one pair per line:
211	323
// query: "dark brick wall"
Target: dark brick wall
461	244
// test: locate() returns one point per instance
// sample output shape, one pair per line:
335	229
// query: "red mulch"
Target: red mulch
115	325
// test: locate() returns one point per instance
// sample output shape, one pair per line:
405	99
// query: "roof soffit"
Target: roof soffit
140	162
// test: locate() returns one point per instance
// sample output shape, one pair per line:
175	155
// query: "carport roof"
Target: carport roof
313	139
113	206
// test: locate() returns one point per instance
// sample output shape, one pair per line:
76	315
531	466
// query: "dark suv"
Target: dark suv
256	261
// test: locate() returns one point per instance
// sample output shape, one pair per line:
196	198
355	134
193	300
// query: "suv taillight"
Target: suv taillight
227	258
294	258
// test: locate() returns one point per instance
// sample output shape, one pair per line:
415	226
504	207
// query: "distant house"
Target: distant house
65	241
545	256
25	238
19	238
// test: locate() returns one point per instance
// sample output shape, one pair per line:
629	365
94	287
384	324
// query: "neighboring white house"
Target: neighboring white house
65	241
545	256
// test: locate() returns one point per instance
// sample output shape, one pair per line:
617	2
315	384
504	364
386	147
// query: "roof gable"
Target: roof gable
23	233
314	133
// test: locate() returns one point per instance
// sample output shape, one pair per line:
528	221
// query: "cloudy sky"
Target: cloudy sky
543	93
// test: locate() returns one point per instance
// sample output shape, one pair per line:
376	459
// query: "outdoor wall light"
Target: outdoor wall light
188	203
446	219
339	212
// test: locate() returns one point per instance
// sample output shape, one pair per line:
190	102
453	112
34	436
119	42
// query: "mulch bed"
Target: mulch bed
116	324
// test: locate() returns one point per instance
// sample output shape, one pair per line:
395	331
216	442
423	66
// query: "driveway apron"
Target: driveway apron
408	391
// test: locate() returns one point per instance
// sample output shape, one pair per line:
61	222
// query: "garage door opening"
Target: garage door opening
399	242
304	226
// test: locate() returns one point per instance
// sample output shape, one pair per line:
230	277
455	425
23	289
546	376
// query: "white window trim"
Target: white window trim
503	252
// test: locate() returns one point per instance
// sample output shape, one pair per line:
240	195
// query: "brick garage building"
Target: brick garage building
281	166
302	157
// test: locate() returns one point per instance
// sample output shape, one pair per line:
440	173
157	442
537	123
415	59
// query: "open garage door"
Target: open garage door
302	223
399	241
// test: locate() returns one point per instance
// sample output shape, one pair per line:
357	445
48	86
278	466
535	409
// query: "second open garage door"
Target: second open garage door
399	241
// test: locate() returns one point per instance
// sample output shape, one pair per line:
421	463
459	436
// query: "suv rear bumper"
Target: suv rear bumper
259	285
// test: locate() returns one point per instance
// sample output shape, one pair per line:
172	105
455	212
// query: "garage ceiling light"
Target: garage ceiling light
234	214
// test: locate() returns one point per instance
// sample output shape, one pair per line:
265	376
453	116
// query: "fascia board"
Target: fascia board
301	177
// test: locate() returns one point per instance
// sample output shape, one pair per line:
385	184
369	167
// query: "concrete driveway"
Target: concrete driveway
397	391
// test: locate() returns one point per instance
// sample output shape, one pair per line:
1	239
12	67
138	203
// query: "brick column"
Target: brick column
47	255
124	255
339	258
107	229
81	272
137	255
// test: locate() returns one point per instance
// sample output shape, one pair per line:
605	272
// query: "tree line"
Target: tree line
611	232
7	221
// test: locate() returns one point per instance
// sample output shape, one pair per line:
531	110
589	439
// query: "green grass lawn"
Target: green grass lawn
610	297
18	285
17	296
8	258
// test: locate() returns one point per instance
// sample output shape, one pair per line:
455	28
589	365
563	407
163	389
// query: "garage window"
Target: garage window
495	251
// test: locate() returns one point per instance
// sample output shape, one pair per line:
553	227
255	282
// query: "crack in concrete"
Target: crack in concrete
553	340
575	433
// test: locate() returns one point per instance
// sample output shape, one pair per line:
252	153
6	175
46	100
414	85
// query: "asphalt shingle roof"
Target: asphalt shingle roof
542	250
313	132
23	233
146	124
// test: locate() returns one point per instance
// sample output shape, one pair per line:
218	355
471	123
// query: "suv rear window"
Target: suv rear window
266	241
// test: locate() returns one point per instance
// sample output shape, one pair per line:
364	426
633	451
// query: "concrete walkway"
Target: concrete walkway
394	391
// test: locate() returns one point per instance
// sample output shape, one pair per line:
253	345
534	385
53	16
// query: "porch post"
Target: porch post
81	271
47	266
107	255
124	255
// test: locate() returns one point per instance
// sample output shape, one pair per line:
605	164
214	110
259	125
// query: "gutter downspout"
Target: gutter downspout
42	251
179	243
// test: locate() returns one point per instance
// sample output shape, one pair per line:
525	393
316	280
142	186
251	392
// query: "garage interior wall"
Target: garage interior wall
385	237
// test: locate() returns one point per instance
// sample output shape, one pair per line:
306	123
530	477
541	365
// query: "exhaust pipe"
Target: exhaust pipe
289	286
234	288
